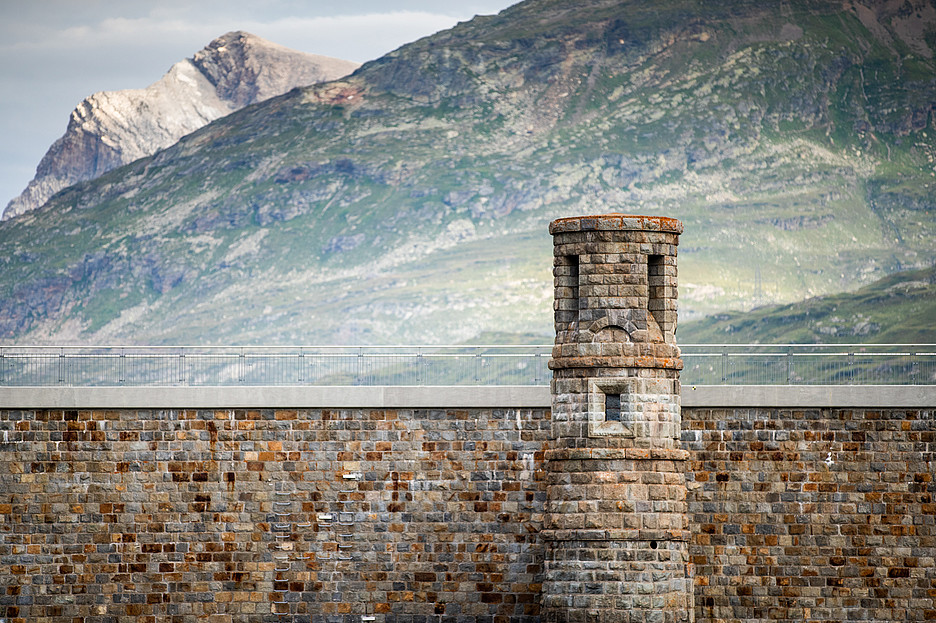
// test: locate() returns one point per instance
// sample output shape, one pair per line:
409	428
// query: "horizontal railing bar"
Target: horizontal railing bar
425	350
771	345
685	355
424	355
823	355
294	347
256	355
434	348
830	354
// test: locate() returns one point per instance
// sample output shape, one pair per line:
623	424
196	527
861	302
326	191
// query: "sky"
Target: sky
54	53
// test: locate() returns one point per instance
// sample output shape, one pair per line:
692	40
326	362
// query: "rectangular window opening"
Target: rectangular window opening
612	407
656	285
574	285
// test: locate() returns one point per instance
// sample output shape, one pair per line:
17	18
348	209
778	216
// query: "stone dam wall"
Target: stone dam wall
434	515
617	496
812	514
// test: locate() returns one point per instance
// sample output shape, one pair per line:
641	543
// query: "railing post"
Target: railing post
852	372
61	366
724	366
360	366
478	365
789	371
913	368
182	367
420	373
120	366
299	362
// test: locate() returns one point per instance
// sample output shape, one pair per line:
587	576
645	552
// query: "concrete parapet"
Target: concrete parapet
273	397
446	397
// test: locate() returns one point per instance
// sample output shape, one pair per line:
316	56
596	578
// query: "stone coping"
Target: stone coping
606	222
448	397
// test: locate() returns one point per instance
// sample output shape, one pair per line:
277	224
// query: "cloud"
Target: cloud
358	37
354	37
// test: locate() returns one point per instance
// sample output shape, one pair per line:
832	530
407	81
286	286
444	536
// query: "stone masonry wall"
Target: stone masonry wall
812	515
796	515
406	516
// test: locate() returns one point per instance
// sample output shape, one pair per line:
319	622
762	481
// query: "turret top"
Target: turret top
606	222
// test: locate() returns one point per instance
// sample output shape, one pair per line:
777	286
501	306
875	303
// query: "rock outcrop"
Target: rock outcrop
112	128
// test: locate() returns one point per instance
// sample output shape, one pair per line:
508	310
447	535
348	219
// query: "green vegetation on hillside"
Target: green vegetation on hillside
898	309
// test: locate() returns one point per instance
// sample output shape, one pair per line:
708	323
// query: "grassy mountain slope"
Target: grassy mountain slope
898	309
409	201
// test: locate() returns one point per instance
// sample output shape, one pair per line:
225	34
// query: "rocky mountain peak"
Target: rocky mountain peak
246	69
113	128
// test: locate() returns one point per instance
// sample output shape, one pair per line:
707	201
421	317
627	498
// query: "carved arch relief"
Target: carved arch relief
618	325
614	326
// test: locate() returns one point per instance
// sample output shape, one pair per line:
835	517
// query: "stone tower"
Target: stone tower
616	526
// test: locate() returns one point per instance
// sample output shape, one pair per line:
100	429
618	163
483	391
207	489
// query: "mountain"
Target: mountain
898	309
112	128
409	201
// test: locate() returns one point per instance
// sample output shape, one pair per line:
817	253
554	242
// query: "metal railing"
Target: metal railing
809	364
704	364
273	365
